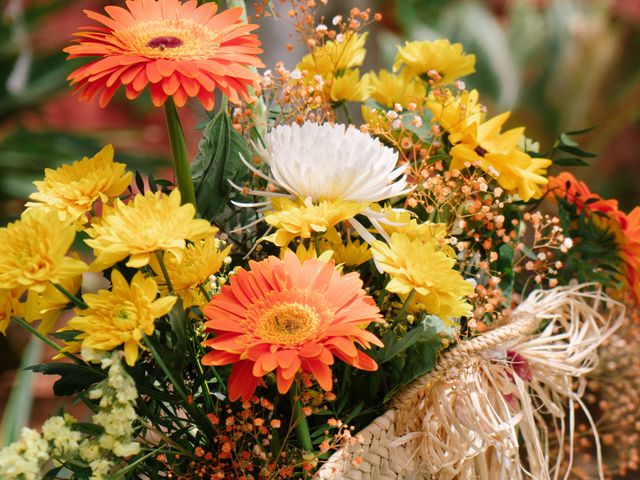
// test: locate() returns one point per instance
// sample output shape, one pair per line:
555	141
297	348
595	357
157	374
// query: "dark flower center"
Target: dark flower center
164	42
480	151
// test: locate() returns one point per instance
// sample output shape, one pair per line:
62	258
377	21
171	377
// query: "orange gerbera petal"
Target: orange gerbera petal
286	316
565	185
178	50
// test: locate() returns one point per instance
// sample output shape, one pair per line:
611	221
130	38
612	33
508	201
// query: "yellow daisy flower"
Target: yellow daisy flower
420	266
350	87
390	88
200	260
401	221
72	190
335	56
459	115
303	219
9	306
305	254
34	251
498	154
448	60
351	254
121	316
48	305
149	223
335	62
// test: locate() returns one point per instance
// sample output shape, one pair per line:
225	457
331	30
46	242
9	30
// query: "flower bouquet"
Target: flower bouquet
406	296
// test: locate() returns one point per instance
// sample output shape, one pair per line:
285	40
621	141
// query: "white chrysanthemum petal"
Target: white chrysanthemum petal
332	162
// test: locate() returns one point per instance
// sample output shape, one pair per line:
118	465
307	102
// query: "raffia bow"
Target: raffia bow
496	406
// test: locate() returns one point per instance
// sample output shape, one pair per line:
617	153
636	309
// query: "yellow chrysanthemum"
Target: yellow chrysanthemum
150	223
449	60
298	219
200	260
375	119
336	63
351	254
350	87
305	254
72	190
459	115
401	221
390	88
498	154
121	316
48	305
9	306
34	251
416	265
335	56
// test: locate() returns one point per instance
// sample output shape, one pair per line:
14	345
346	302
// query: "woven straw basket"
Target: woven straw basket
418	439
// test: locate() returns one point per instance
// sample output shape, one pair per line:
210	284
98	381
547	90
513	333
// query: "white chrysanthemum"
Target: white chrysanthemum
330	163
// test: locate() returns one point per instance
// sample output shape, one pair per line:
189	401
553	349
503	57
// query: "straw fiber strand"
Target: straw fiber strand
491	399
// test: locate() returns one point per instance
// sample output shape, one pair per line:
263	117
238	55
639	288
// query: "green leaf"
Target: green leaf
576	151
178	319
394	346
566	140
582	131
73	378
421	357
217	161
66	335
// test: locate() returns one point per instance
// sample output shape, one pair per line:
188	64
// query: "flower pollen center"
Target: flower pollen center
288	323
164	42
125	316
180	39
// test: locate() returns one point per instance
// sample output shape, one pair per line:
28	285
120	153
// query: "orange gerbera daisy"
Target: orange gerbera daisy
630	227
565	185
178	49
288	316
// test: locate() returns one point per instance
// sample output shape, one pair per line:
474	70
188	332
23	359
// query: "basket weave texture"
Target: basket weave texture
379	455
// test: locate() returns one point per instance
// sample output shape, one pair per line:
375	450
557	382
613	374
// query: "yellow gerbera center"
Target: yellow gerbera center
288	323
181	39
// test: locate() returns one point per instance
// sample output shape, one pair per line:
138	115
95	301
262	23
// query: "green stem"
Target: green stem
179	150
204	292
165	272
75	300
121	473
347	113
46	340
300	422
403	309
198	416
